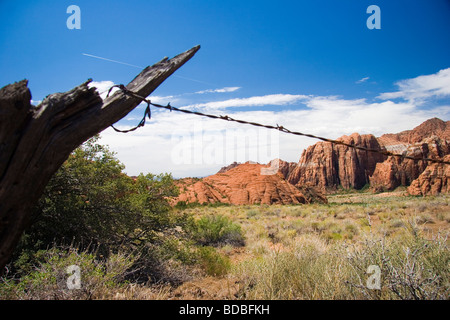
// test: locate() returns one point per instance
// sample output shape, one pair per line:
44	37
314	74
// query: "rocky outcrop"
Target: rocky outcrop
431	139
433	180
230	166
328	166
284	167
245	184
431	127
396	171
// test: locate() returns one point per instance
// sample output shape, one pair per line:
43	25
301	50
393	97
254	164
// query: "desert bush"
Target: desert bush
182	205
424	219
312	268
49	278
412	268
212	262
214	230
305	271
252	213
170	261
397	223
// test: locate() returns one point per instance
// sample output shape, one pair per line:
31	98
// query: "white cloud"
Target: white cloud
421	88
103	87
221	90
162	99
363	80
256	101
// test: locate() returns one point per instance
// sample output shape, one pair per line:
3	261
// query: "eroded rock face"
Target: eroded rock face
244	184
284	167
230	166
327	166
396	171
431	139
433	180
431	127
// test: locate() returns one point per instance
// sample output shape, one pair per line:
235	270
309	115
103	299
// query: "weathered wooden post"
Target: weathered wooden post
35	141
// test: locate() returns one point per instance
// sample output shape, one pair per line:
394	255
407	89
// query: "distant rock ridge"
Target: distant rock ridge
284	167
431	139
226	168
431	127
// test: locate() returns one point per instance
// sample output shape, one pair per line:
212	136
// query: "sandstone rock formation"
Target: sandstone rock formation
284	167
433	180
244	184
431	139
230	166
328	166
395	172
431	127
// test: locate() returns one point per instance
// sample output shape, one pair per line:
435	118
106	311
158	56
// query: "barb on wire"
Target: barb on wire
277	127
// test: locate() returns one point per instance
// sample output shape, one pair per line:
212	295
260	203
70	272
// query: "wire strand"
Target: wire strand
277	127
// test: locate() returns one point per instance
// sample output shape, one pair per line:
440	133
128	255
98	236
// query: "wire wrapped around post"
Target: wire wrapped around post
147	112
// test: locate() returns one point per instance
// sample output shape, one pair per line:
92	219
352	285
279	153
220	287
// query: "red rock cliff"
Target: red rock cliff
433	180
327	166
431	139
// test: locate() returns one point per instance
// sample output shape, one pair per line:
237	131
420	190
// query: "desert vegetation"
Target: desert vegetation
129	243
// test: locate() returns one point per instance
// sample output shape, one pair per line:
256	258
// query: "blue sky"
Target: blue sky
312	66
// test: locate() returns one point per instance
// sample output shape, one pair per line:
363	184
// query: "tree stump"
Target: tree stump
36	140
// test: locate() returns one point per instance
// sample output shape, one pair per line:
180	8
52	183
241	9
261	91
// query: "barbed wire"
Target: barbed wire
277	127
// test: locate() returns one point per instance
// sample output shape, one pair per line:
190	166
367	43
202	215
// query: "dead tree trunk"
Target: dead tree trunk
35	141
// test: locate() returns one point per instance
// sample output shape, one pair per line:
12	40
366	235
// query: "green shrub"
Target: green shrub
333	236
303	273
92	205
412	268
216	230
213	262
252	213
175	248
48	279
181	205
396	223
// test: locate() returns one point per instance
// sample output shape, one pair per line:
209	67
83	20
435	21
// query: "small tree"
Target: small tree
90	200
